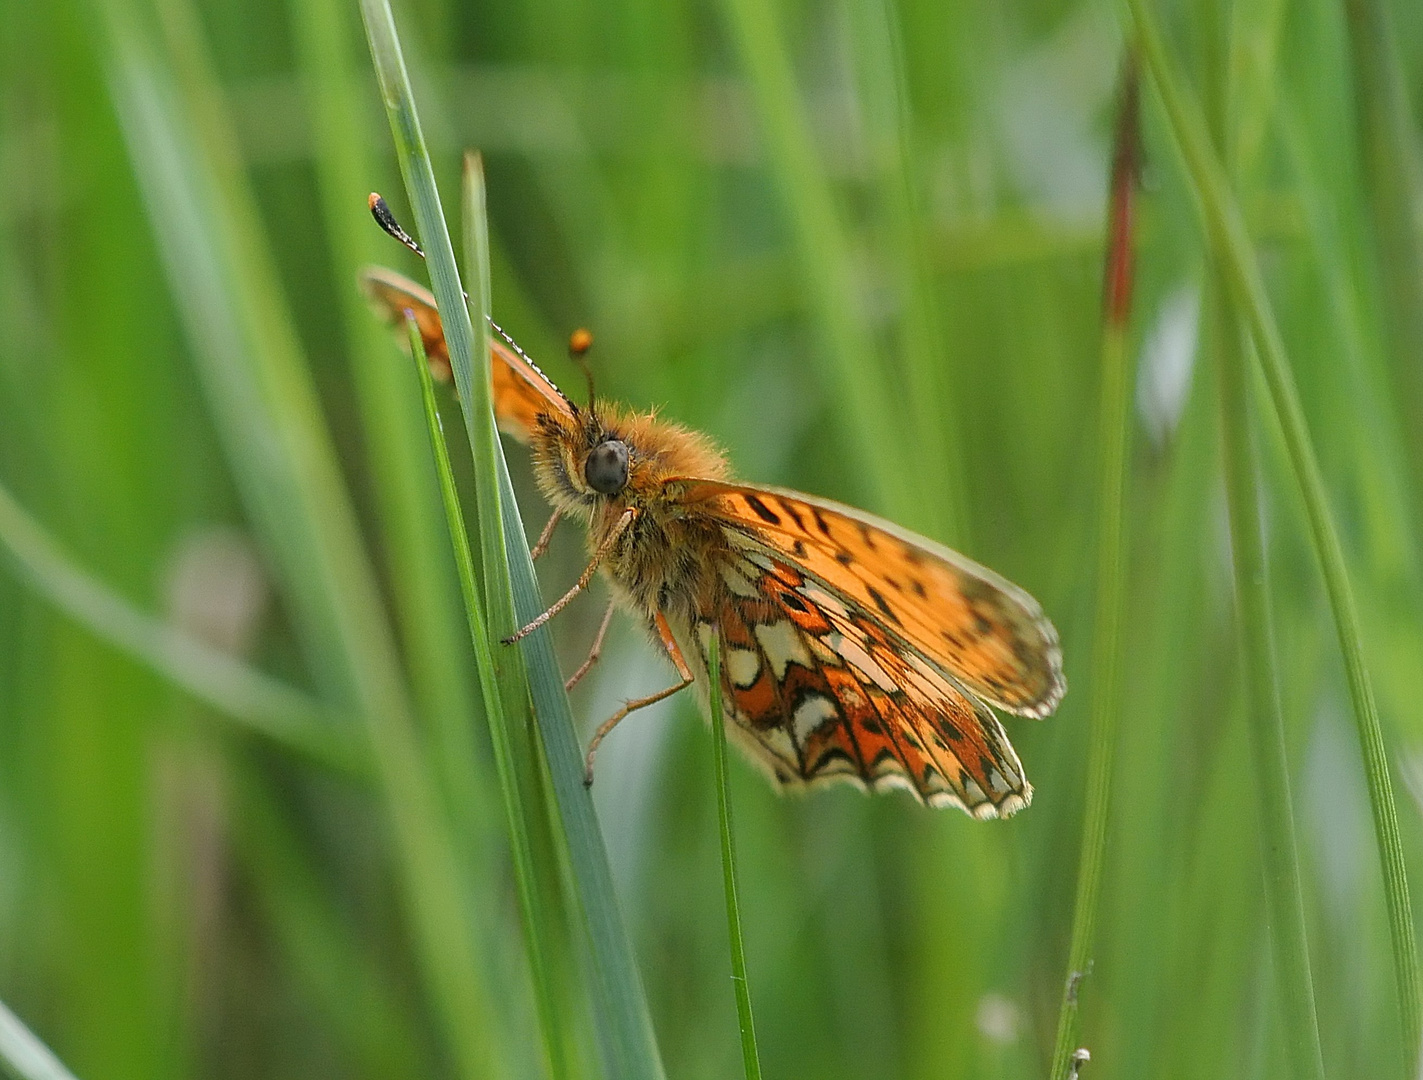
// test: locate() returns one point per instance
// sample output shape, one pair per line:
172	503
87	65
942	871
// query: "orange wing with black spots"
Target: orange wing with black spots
984	633
521	390
818	691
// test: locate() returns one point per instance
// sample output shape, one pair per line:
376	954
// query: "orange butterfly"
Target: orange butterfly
851	649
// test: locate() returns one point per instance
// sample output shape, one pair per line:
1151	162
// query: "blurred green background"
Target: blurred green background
861	244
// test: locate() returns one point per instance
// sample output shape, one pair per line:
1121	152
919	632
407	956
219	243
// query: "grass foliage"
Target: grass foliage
275	801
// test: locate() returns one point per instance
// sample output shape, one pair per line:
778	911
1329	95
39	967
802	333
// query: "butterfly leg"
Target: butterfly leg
596	650
546	537
629	515
678	661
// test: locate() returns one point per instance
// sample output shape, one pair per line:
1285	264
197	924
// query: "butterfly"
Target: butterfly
852	650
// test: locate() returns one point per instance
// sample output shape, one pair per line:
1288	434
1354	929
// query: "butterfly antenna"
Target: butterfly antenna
579	342
380	210
386	220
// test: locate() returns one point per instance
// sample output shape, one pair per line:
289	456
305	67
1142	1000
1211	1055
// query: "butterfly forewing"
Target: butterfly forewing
521	391
986	633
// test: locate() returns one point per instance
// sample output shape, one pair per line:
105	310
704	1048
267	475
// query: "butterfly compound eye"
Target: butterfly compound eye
606	469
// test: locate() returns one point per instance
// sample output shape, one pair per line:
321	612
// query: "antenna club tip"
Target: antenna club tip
374	200
580	341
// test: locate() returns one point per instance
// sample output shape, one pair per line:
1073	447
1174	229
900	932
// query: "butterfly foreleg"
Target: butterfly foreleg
629	515
674	653
596	650
546	537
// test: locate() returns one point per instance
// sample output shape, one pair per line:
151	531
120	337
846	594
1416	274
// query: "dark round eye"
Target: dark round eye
606	469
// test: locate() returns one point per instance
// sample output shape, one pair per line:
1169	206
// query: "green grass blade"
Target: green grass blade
1115	419
619	1004
1225	228
27	1057
619	1001
750	1057
256	701
516	800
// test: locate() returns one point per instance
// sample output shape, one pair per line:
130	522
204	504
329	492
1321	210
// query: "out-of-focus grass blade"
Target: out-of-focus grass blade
1284	898
256	701
751	1059
354	988
825	257
1393	170
1115	420
23	1052
415	543
619	1005
879	59
1225	228
269	416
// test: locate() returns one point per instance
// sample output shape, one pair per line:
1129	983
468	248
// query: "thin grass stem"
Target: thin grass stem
750	1057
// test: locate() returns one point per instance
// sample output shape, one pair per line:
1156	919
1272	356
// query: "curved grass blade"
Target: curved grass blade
1225	228
256	701
749	1055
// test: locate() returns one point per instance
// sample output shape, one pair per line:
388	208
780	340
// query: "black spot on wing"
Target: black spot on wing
792	601
761	510
791	512
883	604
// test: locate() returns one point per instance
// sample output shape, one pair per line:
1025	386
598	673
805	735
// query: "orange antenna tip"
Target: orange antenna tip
580	341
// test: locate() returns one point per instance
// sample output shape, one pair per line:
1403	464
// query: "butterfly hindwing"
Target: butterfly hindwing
817	692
